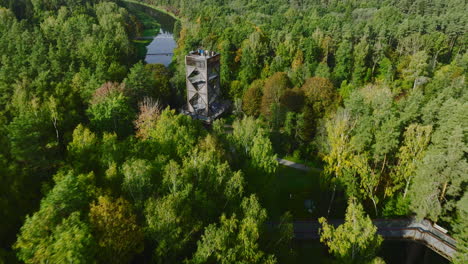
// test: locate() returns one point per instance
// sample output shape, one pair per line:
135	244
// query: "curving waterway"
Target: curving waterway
161	49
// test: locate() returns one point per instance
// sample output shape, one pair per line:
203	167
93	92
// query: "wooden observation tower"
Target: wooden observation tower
203	85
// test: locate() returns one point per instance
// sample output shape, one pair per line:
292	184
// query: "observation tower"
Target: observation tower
203	85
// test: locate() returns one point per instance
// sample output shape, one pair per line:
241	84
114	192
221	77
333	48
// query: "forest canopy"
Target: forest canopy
96	164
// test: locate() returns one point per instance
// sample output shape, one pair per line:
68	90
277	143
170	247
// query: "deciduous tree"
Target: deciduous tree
114	226
274	89
235	240
150	111
416	140
252	99
111	113
137	181
354	241
321	95
40	232
252	141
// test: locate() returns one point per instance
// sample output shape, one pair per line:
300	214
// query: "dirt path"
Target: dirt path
293	164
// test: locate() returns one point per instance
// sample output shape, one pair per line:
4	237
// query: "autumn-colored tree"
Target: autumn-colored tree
275	86
321	95
252	98
106	90
150	111
116	230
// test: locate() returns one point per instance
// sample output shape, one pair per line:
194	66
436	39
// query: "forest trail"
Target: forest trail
293	164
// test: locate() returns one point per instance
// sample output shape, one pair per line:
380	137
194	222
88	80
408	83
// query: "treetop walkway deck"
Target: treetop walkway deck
421	231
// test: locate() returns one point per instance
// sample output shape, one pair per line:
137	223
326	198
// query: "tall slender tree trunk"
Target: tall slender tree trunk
383	164
54	121
373	68
444	189
407	186
375	206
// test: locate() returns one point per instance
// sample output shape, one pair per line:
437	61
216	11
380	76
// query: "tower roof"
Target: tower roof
202	54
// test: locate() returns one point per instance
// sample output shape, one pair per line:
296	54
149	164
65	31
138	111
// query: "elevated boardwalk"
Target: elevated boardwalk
399	229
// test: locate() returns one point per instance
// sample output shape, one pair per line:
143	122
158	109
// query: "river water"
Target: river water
161	49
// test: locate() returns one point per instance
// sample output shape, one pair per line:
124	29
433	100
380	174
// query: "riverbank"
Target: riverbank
158	8
151	28
156	45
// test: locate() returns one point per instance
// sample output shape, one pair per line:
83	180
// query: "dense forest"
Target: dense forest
96	165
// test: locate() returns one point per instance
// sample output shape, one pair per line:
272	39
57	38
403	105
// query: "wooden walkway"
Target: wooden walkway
398	229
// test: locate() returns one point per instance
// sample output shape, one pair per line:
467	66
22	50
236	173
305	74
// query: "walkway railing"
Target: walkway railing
400	229
405	229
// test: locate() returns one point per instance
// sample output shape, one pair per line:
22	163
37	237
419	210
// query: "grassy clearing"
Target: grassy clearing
288	191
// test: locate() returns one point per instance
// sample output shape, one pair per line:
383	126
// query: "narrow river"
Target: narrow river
161	49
